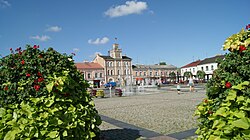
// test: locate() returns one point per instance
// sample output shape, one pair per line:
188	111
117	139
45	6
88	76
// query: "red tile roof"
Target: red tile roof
88	65
193	64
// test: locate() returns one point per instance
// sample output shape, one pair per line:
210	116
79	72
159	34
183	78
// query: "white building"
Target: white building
191	67
208	65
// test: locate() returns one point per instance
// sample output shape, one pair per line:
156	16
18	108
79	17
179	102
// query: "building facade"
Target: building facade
117	68
92	72
152	74
208	65
191	67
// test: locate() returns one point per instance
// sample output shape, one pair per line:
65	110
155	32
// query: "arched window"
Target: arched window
100	75
212	67
118	72
108	72
96	75
111	72
89	75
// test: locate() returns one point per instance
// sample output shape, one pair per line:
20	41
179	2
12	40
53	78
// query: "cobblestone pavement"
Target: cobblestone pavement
164	112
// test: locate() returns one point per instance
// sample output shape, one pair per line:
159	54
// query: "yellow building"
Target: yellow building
117	68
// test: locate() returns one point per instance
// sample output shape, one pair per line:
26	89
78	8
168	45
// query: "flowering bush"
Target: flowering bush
225	114
43	96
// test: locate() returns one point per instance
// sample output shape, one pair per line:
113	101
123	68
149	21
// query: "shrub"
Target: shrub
225	113
43	96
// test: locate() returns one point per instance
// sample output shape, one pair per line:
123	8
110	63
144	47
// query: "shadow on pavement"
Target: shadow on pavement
119	134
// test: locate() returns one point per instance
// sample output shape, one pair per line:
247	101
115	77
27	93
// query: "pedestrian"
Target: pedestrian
191	84
178	87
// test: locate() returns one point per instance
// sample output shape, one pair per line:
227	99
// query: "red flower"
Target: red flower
248	26
210	112
228	85
28	75
39	74
206	101
11	49
6	88
20	53
242	48
35	46
40	56
36	87
40	79
23	62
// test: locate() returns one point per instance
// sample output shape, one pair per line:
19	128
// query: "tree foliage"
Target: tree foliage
201	74
43	96
225	113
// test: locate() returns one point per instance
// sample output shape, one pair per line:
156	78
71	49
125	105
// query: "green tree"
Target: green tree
187	74
172	75
162	63
201	74
225	113
43	96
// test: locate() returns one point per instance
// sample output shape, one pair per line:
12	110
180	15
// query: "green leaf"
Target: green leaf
222	112
50	86
239	114
231	95
65	133
11	135
241	86
2	112
241	123
53	134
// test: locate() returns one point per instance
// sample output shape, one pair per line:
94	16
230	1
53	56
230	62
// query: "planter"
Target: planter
118	92
99	94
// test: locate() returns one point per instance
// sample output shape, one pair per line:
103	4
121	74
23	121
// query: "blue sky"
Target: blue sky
173	31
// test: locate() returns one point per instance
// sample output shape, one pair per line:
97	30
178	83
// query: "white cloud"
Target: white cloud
54	29
130	7
99	41
4	3
40	38
76	49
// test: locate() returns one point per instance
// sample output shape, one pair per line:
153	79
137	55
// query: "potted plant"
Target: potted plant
99	94
118	92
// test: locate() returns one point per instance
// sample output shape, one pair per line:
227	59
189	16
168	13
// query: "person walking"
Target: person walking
191	84
178	87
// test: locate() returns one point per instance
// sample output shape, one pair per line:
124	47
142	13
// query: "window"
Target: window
156	73
118	72
111	72
100	75
111	64
150	73
212	67
136	74
206	68
202	69
96	75
89	75
193	69
108	72
140	73
145	74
